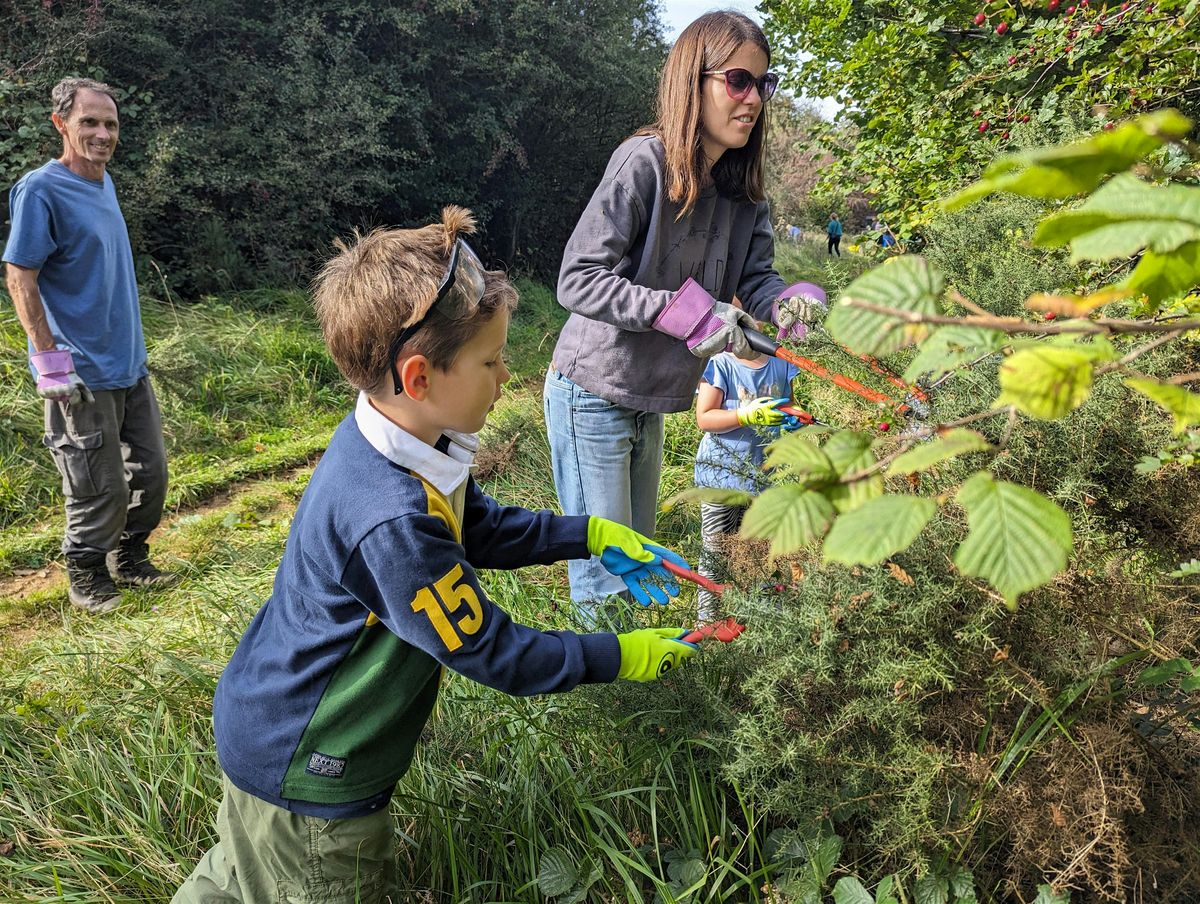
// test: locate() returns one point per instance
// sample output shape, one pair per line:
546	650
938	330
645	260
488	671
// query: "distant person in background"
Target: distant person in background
833	232
678	226
794	233
70	274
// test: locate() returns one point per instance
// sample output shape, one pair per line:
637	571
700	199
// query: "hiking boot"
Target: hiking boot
92	588
131	566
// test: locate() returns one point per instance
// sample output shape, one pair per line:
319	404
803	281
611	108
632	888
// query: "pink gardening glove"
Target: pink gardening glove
798	306
57	380
707	325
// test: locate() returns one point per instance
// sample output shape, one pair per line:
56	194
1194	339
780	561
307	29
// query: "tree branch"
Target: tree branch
1102	325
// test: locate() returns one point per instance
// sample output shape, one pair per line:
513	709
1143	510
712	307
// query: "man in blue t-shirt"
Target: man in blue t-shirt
69	269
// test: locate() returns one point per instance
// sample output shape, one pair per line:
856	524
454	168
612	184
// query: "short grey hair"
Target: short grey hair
62	98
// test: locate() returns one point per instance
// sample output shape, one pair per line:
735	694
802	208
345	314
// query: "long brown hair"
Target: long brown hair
706	44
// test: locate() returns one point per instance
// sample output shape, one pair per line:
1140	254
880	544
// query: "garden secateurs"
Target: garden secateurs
724	630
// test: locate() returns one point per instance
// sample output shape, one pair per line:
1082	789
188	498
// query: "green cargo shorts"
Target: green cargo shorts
268	855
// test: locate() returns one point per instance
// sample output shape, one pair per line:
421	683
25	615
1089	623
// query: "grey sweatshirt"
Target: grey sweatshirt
627	257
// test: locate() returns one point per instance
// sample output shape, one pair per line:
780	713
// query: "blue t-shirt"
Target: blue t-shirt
71	230
733	460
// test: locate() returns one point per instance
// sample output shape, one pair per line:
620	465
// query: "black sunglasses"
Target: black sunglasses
738	83
458	297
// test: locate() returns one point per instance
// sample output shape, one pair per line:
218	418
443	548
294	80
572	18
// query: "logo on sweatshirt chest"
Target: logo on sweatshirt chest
324	765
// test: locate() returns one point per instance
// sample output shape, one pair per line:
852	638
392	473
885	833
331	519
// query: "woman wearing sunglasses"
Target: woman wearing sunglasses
678	226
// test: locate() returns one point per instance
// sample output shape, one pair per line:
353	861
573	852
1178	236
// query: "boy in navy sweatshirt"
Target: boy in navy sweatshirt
318	712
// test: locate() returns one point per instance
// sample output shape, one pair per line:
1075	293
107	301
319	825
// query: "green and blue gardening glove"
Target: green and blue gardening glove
649	653
762	412
635	560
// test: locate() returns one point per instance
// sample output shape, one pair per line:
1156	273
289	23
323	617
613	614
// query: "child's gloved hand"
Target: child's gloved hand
650	653
635	560
761	412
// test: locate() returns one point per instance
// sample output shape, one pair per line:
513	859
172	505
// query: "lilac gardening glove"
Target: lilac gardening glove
799	306
707	325
57	380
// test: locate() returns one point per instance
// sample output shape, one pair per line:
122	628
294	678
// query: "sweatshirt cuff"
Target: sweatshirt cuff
602	653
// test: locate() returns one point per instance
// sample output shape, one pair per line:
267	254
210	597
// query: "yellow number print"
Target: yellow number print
452	592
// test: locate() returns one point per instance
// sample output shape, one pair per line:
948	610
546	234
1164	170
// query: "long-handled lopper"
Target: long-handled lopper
726	629
767	346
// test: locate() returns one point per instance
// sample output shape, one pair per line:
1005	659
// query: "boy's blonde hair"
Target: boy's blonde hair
379	283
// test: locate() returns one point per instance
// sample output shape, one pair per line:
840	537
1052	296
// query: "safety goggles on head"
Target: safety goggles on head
738	83
458	297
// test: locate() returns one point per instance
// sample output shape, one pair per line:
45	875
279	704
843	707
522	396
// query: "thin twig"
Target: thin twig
1138	352
1017	325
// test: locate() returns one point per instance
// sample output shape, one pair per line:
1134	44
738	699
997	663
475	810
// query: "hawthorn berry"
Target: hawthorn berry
1052	5
1024	117
1005	135
980	18
1001	28
1012	61
885	426
1108	126
1099	28
1071	35
1070	10
983	126
1051	315
977	113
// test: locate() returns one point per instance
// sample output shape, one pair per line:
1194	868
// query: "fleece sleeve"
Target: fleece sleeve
508	536
412	575
760	285
611	225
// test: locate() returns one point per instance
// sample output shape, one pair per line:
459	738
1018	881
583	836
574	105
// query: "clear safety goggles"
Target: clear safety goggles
458	297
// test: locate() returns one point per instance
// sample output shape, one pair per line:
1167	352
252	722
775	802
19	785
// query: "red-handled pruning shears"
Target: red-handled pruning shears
724	630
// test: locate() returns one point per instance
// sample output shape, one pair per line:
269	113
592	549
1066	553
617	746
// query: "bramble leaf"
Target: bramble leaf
557	874
800	456
790	516
1017	539
1046	382
850	891
948	347
1182	404
1073	169
877	529
850	452
1076	305
950	444
714	495
908	283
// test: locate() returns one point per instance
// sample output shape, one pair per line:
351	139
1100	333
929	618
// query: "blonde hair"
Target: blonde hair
377	284
705	45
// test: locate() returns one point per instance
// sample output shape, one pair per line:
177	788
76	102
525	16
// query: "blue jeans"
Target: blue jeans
607	460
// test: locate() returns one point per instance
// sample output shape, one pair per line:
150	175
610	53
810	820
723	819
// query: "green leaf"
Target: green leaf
850	452
905	283
1017	539
962	886
789	516
883	891
951	444
850	891
708	494
1183	405
931	890
1047	895
801	457
1192	566
949	346
557	873
1066	170
1046	382
1154	675
877	529
1164	277
825	855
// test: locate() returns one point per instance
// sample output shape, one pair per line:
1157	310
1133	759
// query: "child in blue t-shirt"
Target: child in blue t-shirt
736	399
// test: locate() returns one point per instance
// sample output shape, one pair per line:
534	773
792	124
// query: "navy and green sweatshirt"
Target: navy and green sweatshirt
325	696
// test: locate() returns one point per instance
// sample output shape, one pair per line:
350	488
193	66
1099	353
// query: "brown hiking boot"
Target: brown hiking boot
92	588
131	566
